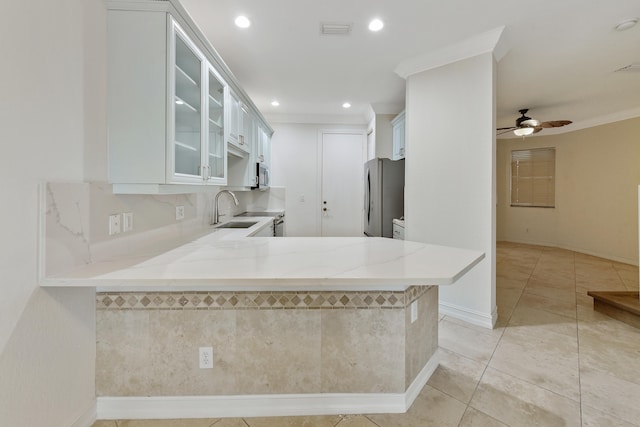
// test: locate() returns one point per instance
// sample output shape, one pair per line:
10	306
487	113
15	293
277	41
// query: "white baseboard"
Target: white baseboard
88	417
474	317
276	405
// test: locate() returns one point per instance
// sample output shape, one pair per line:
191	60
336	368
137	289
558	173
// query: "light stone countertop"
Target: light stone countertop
229	259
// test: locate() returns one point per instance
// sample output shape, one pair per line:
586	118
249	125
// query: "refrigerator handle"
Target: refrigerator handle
367	197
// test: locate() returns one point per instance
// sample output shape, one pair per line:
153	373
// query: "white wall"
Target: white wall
450	174
47	337
597	173
294	163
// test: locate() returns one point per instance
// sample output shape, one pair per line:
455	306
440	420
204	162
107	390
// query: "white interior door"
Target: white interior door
343	157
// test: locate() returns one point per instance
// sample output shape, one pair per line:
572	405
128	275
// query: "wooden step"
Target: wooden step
622	306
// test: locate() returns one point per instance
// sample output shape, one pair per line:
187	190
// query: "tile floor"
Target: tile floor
551	360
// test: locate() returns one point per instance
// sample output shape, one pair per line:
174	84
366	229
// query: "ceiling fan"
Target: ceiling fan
527	126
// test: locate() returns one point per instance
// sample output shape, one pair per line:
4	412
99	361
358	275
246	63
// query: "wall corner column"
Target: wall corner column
450	188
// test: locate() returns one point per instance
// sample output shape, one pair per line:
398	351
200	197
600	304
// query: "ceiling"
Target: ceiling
560	63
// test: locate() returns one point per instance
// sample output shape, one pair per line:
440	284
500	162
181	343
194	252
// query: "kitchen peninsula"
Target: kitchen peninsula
297	325
225	259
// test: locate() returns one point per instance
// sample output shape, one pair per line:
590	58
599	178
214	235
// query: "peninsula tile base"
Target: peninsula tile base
280	351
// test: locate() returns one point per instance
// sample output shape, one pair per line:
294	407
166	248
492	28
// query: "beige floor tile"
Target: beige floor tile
319	421
610	395
590	259
534	320
611	346
456	376
519	403
547	289
104	423
196	422
474	418
540	357
584	286
230	422
508	298
356	421
503	318
431	408
593	418
497	333
562	307
629	276
560	278
513	271
586	314
504	283
467	341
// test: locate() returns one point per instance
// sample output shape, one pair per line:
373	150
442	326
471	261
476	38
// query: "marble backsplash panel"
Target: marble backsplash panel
74	220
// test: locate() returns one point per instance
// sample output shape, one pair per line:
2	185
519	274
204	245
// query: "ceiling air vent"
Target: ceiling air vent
335	28
633	68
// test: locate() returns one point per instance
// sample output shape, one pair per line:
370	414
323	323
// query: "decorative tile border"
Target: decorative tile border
302	300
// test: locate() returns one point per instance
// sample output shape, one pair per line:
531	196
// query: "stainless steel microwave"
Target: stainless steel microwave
262	177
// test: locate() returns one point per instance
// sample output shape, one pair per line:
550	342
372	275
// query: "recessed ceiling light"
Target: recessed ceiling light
376	25
626	24
275	103
346	105
242	22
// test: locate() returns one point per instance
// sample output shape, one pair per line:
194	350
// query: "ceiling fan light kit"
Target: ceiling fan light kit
523	131
526	125
626	24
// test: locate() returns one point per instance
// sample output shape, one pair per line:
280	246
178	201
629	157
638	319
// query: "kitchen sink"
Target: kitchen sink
237	224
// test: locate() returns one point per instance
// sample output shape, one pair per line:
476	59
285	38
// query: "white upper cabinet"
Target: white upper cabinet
398	124
236	133
263	145
217	153
175	111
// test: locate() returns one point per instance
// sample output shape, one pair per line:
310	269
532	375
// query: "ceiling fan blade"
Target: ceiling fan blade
537	129
504	130
555	123
509	128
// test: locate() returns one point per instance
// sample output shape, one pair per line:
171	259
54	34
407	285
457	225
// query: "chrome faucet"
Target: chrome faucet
216	215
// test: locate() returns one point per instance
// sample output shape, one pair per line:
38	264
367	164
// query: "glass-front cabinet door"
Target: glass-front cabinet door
199	150
188	118
216	153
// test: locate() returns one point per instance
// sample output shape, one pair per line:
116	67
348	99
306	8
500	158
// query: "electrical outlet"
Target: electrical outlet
179	213
414	311
206	357
127	222
114	224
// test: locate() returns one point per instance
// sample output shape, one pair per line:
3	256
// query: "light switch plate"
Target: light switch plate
179	213
114	224
127	222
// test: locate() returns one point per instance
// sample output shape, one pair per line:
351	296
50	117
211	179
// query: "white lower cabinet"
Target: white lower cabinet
398	231
266	231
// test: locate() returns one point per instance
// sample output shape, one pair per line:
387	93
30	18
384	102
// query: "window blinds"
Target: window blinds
533	177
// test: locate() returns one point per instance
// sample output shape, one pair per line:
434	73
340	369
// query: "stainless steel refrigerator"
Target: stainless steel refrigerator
383	196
